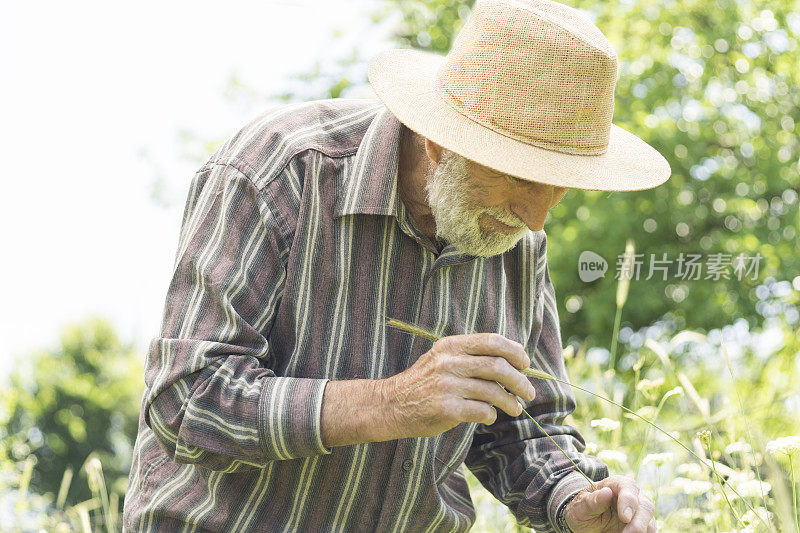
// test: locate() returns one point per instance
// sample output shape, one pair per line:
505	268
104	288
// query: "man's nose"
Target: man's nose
532	202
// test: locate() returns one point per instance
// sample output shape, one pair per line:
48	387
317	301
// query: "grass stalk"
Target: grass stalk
794	492
660	406
97	484
615	332
594	487
746	424
658	485
27	472
623	285
66	479
719	481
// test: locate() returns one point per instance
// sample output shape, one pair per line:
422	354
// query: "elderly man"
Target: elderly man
277	398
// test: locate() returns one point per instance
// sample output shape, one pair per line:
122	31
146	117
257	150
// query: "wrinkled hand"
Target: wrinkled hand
616	506
462	378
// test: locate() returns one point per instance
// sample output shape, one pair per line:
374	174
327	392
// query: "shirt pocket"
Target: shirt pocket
452	450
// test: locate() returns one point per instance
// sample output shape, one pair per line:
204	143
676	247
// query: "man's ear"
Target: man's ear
433	150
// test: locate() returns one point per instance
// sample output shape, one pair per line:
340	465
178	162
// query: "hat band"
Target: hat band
459	107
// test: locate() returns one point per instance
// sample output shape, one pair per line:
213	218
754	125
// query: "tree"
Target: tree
66	403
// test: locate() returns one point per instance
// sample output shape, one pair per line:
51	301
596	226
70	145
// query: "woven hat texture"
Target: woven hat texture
528	90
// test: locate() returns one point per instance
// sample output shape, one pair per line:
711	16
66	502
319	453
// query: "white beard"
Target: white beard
457	220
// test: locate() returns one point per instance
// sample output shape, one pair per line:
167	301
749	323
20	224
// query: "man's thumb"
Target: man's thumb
598	501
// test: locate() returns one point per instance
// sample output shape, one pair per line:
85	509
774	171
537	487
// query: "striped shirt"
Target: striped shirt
294	247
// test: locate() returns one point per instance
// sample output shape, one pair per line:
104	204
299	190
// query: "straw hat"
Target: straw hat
527	89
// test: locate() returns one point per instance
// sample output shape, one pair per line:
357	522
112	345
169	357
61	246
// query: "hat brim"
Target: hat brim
405	80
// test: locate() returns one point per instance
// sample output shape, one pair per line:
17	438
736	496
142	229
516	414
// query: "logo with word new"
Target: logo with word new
591	266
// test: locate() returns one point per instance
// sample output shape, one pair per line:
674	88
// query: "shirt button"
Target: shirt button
407	464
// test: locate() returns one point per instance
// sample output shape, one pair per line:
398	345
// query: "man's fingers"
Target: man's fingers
490	392
627	495
634	508
494	344
598	501
642	518
476	411
627	502
497	369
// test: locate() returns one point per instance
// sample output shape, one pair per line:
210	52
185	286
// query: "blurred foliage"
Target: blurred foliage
65	404
708	84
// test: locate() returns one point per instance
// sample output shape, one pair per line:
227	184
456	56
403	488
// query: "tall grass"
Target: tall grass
539	374
35	512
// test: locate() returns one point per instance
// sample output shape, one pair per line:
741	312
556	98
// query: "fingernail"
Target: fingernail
531	393
627	514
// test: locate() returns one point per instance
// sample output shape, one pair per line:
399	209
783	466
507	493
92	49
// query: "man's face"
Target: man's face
472	203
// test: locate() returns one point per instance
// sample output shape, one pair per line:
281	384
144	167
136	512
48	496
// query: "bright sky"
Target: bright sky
87	85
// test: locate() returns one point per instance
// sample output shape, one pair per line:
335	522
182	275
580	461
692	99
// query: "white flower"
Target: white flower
690	470
784	445
735	477
605	424
738	447
752	488
591	448
612	456
657	458
692	487
750	518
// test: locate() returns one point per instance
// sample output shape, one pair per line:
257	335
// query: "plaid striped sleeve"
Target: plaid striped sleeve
211	397
513	458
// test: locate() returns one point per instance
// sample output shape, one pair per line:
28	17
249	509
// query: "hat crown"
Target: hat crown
536	71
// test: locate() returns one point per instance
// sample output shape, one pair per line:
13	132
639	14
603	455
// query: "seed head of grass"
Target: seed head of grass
626	273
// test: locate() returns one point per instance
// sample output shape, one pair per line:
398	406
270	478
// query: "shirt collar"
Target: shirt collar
371	185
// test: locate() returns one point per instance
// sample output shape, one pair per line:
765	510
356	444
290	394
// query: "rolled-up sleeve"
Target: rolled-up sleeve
512	458
211	397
